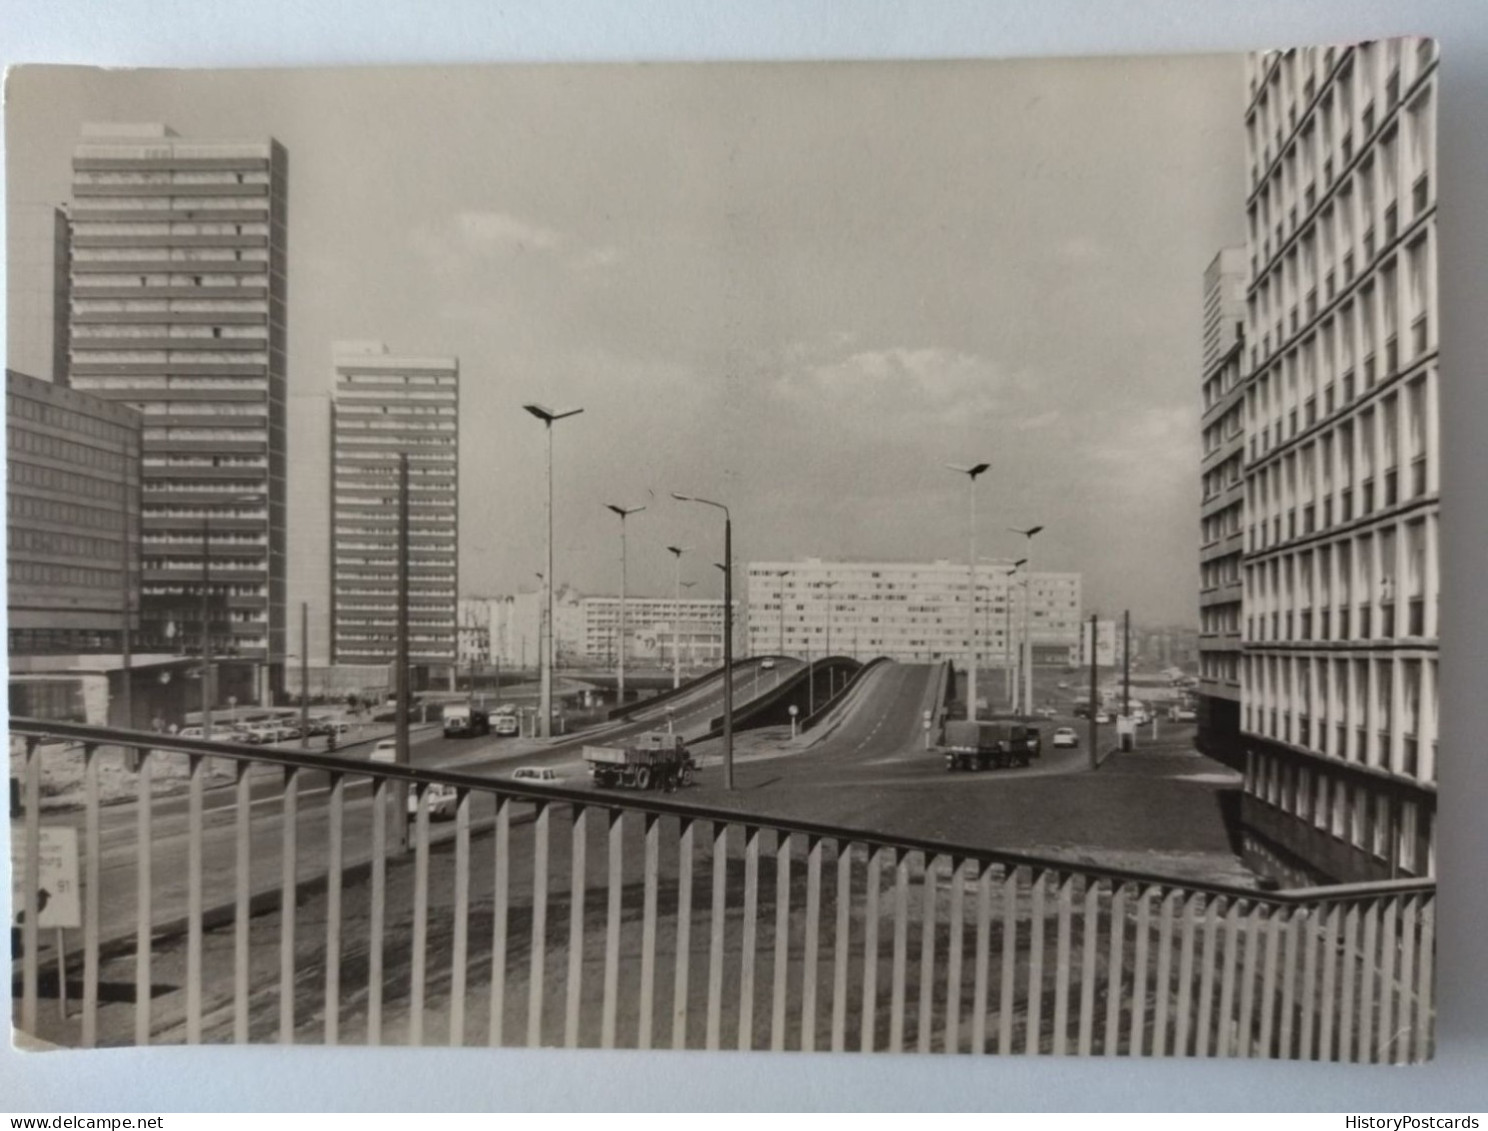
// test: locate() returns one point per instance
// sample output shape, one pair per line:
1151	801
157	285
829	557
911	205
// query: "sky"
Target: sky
799	289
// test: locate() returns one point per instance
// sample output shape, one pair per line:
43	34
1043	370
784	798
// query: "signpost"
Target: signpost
57	897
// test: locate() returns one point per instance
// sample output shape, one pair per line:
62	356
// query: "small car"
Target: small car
385	751
504	726
1184	715
541	774
1066	736
1046	712
1102	717
767	665
441	800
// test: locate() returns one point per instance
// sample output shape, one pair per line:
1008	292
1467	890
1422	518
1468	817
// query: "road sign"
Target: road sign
57	896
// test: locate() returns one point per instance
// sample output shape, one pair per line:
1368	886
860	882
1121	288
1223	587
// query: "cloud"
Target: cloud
1039	421
476	236
926	383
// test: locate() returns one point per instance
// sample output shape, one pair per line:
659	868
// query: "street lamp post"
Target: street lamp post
677	552
623	512
545	693
1027	630
1010	686
971	474
827	654
728	634
691	637
783	574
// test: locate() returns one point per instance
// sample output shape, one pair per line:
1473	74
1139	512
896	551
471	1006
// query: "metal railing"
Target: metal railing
280	906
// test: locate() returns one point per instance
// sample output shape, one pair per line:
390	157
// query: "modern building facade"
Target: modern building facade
72	519
911	611
658	628
178	310
385	407
1222	501
38	290
1339	675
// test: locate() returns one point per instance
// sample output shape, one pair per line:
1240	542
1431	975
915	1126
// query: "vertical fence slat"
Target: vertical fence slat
538	958
780	965
1226	1019
1408	927
1062	949
812	947
1006	1002
716	926
500	917
1034	1037
288	898
1268	981
648	930
1389	950
750	933
419	973
1189	913
684	934
1346	994
1328	1002
1291	953
1425	986
194	764
841	941
336	803
1137	1038
615	891
1244	1038
1207	973
578	891
1115	971
927	954
982	974
1368	969
1307	1031
901	953
92	863
870	951
1089	946
1162	980
30	898
953	957
144	851
460	956
378	914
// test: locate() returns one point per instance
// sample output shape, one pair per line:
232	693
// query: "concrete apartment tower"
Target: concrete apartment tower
1338	710
178	310
1222	504
385	406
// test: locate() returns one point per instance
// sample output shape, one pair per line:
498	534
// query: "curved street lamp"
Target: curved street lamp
728	633
548	417
1027	605
677	552
971	472
623	512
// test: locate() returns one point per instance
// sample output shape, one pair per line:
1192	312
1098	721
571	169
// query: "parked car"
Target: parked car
441	800
505	726
541	774
1185	715
1102	717
385	751
1046	712
1066	736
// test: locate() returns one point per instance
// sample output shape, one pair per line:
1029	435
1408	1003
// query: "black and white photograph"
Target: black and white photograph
897	557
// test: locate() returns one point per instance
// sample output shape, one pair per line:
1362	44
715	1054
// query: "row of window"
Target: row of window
1320	375
71	483
62	576
19	506
69	420
1348	470
24	540
103	460
1375	711
1355	585
1351	812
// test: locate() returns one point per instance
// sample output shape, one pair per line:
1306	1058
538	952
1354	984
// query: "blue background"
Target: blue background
288	33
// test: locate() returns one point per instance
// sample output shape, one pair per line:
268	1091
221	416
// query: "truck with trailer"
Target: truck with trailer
465	719
999	744
653	760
